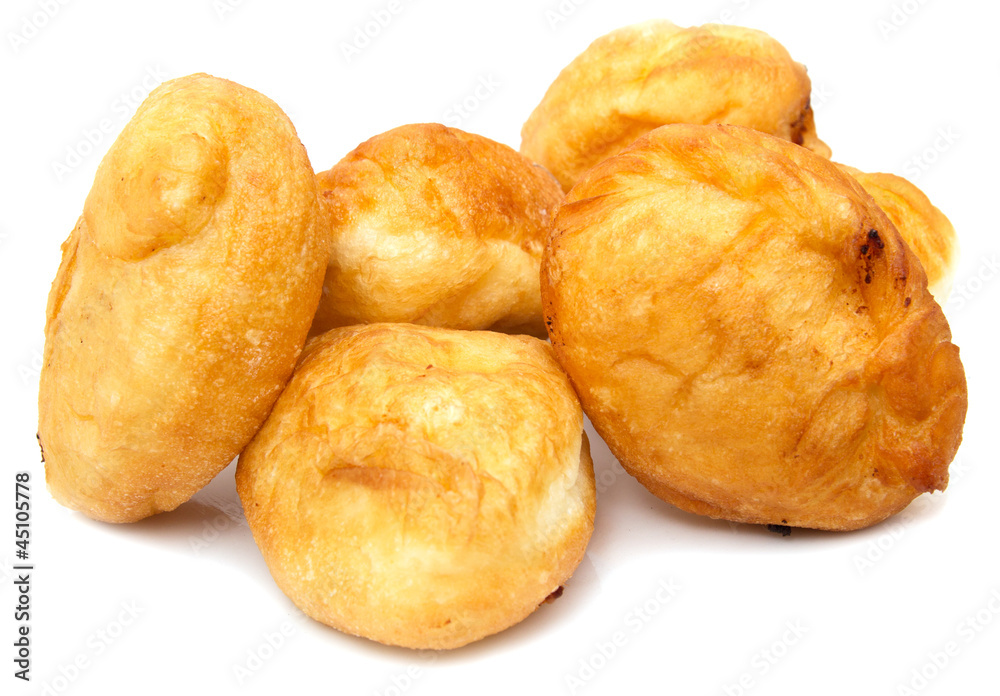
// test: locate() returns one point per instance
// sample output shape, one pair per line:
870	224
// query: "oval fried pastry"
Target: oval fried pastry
419	486
182	302
646	75
749	333
435	226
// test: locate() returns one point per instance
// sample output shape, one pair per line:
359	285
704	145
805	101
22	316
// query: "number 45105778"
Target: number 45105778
22	505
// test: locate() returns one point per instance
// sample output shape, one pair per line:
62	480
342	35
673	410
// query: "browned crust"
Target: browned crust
432	225
182	301
749	333
420	486
646	75
926	230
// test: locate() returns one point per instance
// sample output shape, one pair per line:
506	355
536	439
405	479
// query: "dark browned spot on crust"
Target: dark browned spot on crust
798	127
870	250
873	245
906	302
40	446
556	594
873	235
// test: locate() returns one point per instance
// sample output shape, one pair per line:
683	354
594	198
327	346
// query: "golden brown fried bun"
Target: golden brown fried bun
646	75
435	226
749	334
182	302
420	486
921	225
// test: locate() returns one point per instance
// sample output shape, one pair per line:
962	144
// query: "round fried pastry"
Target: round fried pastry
642	76
435	226
419	486
182	302
749	333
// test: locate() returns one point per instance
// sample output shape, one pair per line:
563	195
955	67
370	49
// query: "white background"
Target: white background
868	607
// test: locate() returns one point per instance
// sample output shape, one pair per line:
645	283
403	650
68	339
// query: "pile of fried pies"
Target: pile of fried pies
753	329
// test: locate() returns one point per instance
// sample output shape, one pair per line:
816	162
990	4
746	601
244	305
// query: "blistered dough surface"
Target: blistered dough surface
435	226
420	486
749	333
182	302
646	75
923	227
